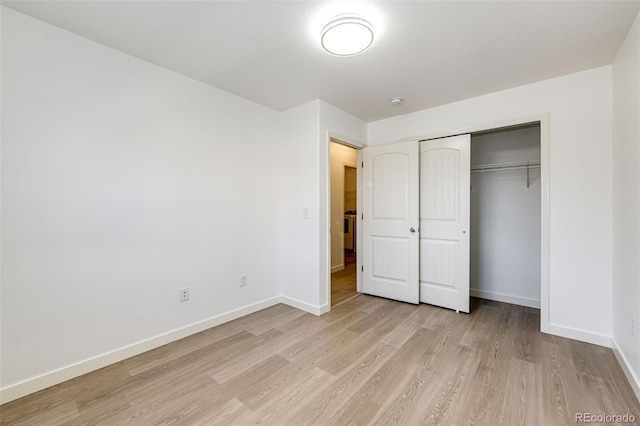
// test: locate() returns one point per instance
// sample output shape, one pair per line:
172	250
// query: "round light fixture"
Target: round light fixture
397	101
347	35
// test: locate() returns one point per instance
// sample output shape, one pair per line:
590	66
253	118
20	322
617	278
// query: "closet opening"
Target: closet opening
505	243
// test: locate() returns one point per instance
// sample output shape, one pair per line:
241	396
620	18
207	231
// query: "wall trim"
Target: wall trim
505	298
72	371
634	381
581	335
63	374
304	306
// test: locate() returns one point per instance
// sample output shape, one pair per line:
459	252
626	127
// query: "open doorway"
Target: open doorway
344	223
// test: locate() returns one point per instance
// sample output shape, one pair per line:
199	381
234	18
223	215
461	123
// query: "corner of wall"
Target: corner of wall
626	204
634	380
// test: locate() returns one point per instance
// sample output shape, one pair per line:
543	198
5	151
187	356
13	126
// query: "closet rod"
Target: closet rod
505	166
520	165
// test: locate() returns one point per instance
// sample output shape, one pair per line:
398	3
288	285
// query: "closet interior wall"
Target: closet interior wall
505	217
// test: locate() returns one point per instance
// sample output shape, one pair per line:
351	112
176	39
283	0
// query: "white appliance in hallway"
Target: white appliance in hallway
350	221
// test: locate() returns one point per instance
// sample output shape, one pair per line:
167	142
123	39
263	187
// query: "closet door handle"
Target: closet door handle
412	229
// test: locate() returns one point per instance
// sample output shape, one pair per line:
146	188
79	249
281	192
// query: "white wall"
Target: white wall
626	200
305	243
505	218
340	155
123	182
579	106
299	185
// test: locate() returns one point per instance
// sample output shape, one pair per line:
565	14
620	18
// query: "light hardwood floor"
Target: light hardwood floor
368	361
343	283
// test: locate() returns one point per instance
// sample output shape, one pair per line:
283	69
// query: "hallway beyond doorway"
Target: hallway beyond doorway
343	283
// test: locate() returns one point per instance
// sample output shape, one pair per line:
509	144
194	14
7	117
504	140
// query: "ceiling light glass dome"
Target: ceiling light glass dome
347	35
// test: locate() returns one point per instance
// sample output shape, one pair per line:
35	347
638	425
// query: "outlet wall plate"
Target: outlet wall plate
184	294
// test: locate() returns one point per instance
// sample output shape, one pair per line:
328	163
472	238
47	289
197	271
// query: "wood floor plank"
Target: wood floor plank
262	371
523	390
183	359
286	315
368	361
431	394
166	390
620	387
100	411
397	370
479	329
263	391
171	410
370	332
55	415
343	283
269	344
228	413
413	321
326	339
282	409
356	412
558	386
104	382
335	396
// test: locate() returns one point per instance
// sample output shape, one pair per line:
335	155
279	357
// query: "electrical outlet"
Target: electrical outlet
184	294
243	280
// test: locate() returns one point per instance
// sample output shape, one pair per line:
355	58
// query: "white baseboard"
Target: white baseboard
304	306
581	335
63	374
505	298
44	381
634	381
337	268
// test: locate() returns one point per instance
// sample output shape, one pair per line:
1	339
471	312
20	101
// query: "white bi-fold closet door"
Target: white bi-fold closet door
416	199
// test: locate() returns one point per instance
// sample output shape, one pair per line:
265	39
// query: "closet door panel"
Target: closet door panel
444	222
438	185
440	263
391	219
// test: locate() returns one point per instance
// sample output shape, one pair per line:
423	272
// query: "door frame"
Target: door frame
325	225
545	259
344	172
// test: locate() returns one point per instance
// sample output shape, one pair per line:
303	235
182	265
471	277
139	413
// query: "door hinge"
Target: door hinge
362	216
362	268
363	164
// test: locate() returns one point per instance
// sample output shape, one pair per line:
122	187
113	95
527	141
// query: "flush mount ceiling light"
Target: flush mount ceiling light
347	35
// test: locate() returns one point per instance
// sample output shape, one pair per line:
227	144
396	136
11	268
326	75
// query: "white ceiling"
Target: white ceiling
429	52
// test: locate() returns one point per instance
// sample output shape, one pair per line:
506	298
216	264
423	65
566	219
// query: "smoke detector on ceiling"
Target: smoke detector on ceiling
397	101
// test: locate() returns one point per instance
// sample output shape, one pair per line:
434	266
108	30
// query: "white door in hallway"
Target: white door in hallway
390	224
445	170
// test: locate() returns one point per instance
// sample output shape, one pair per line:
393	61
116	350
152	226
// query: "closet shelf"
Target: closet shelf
519	165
